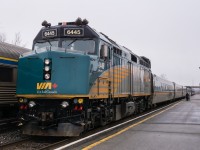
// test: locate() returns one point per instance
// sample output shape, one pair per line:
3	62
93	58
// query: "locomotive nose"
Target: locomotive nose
71	73
54	72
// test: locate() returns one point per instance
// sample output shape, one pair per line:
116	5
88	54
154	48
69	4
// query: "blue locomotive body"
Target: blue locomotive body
76	79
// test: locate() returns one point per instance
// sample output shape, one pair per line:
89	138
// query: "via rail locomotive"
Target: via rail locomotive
77	78
9	55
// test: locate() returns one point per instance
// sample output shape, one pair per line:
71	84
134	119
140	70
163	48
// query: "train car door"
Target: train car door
117	71
104	81
130	78
141	79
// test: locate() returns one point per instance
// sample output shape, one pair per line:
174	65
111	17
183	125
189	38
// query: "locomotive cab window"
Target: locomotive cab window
44	44
104	50
134	58
82	45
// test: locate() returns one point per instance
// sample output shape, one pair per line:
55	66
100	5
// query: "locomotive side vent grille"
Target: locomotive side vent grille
7	93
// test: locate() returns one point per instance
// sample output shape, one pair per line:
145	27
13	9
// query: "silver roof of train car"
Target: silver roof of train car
11	51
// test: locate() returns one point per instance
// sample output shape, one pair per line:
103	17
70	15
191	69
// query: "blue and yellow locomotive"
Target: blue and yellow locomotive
77	78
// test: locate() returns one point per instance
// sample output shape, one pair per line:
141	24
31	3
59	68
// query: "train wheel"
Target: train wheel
106	116
149	103
141	105
103	117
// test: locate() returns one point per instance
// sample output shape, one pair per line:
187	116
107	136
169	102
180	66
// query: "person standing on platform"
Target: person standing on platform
187	97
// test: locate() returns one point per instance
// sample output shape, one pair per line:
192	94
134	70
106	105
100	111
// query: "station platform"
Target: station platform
177	128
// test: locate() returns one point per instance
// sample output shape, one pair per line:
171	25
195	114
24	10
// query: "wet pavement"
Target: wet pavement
177	128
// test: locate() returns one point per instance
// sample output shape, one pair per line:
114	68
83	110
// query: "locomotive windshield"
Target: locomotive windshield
44	44
83	45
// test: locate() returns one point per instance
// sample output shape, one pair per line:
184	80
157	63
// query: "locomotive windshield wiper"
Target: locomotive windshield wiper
49	42
45	42
72	42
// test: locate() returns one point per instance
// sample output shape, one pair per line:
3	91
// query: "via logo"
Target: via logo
46	85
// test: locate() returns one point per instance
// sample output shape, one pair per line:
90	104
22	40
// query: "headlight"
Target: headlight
47	76
64	104
46	68
31	104
47	61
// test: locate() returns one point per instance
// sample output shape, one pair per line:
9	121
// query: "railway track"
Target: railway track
102	132
32	143
9	145
6	124
49	143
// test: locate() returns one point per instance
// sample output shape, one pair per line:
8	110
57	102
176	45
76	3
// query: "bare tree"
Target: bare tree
164	76
17	40
2	37
24	45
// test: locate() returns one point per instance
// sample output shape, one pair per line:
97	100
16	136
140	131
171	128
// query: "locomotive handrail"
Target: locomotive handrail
103	77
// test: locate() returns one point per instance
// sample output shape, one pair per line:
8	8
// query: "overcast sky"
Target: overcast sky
165	31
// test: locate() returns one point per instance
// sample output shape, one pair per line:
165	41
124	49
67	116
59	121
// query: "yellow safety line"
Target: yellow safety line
133	125
10	59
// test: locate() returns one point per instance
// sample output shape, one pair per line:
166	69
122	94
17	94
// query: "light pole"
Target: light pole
199	83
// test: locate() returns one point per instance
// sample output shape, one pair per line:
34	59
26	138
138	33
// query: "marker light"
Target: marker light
80	100
81	108
21	100
47	76
76	108
47	61
46	68
21	107
25	107
31	104
64	104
